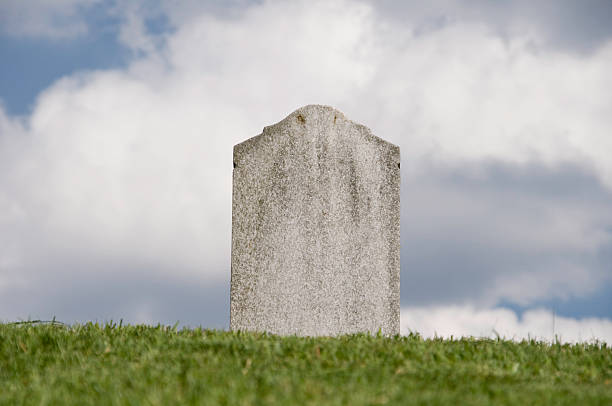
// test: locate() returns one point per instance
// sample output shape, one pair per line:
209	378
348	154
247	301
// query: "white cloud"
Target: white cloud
53	19
467	321
135	164
460	93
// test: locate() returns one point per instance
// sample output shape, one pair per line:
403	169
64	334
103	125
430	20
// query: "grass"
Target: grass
146	365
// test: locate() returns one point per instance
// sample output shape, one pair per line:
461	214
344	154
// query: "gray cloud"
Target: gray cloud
486	232
104	290
577	26
58	19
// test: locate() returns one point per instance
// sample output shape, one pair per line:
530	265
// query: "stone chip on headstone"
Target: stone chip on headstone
316	228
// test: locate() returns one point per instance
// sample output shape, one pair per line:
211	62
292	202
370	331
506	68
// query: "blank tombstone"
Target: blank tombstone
316	228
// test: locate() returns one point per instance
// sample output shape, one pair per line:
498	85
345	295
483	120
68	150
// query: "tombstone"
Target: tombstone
316	228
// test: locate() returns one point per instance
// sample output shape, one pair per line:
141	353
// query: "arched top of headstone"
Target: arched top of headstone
316	121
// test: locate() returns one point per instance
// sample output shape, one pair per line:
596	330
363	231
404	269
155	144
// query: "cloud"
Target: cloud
503	102
486	232
54	19
131	168
103	290
562	25
467	321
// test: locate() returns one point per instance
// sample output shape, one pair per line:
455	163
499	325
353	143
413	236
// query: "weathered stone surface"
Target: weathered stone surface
316	228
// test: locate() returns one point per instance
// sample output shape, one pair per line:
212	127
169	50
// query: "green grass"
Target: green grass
111	364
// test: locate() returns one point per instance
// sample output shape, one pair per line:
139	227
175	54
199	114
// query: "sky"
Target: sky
118	118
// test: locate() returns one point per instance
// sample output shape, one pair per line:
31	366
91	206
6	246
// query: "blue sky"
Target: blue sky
31	65
118	119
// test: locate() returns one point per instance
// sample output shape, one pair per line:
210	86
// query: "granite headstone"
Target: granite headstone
316	228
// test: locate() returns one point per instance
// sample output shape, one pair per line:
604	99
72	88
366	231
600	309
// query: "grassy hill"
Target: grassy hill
112	364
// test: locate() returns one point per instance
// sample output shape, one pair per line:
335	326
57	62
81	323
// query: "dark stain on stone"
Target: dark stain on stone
234	164
398	165
301	119
353	188
261	216
335	117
